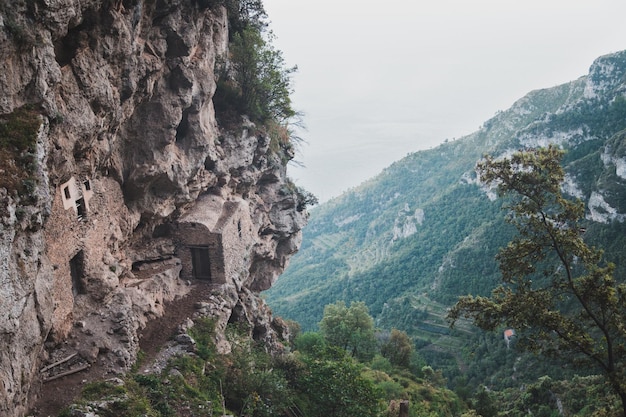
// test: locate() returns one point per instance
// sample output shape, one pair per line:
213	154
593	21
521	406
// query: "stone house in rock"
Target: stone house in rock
76	196
211	238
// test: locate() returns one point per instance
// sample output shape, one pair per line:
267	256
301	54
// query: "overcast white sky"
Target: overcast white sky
379	79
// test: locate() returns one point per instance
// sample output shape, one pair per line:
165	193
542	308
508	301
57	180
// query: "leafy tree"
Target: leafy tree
256	81
557	292
295	330
350	328
398	349
244	13
434	376
484	404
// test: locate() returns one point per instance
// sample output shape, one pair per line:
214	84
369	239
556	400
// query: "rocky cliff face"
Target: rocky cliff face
128	194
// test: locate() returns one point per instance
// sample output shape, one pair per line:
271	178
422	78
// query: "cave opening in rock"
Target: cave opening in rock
65	49
77	271
201	262
183	127
237	315
259	333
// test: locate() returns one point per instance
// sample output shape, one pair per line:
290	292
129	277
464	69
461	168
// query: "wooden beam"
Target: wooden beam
70	372
58	363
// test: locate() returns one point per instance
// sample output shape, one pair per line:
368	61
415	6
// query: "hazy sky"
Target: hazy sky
379	79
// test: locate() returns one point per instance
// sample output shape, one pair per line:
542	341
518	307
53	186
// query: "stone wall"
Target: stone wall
226	228
97	235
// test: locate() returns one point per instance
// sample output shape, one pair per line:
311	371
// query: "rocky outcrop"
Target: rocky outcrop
128	154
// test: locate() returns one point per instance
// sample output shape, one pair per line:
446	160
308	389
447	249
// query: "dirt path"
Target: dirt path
56	395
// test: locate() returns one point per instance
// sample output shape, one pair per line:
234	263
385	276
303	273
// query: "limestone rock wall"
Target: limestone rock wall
123	93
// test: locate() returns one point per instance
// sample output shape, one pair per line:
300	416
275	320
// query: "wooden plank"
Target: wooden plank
70	372
57	363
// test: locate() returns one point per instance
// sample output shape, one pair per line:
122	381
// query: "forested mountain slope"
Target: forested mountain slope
409	241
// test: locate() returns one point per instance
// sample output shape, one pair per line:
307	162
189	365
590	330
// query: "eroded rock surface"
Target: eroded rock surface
129	158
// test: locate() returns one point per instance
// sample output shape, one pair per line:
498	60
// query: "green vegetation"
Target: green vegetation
18	139
261	76
336	386
413	239
114	400
391	364
255	82
557	290
349	328
398	349
254	79
315	380
546	397
319	379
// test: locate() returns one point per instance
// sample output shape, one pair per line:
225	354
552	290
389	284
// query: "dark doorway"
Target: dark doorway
200	262
81	208
77	270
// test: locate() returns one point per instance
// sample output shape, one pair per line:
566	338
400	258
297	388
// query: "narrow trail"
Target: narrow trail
58	394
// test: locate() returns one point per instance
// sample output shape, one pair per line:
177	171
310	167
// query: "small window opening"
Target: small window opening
77	270
239	227
66	192
81	208
162	230
200	262
87	185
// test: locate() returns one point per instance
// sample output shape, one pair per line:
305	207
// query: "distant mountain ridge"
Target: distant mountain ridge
412	239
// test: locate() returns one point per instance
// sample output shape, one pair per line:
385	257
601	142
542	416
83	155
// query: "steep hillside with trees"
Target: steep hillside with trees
425	231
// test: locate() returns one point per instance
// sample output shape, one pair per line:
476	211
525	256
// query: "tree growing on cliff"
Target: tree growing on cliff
557	292
262	76
254	79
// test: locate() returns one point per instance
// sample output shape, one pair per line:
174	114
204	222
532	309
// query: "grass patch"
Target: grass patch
18	161
102	390
18	130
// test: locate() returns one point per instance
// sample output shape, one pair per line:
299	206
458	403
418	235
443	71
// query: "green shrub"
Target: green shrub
203	332
380	363
254	79
310	343
391	390
18	130
337	388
